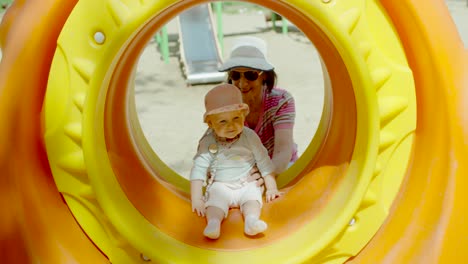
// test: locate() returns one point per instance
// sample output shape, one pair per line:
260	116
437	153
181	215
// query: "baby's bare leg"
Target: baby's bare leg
214	216
253	225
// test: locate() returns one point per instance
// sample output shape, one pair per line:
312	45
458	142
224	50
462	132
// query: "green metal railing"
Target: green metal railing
218	7
4	4
275	17
162	40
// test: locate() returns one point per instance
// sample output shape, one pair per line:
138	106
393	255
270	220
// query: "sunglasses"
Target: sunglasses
248	75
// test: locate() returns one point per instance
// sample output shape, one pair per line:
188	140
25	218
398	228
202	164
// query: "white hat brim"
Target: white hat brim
253	63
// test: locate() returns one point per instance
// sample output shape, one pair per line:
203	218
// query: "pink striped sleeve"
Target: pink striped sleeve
286	112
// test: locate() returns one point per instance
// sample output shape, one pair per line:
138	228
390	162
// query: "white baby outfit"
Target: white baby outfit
229	166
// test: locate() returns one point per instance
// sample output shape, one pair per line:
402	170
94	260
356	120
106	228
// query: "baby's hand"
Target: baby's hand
272	195
198	206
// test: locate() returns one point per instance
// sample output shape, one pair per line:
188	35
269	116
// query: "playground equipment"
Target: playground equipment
200	51
201	43
384	180
4	4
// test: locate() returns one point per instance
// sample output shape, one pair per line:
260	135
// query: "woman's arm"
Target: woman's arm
282	154
283	151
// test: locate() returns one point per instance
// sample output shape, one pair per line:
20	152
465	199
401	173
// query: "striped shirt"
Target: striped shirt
278	112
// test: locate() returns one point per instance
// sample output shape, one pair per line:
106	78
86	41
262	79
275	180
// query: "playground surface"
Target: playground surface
171	112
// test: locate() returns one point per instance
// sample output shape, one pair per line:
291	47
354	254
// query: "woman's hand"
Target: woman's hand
255	176
198	207
272	195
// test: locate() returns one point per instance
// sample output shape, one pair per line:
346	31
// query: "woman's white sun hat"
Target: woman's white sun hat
249	52
224	98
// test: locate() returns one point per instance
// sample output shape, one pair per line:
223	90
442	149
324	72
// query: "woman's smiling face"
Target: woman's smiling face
249	81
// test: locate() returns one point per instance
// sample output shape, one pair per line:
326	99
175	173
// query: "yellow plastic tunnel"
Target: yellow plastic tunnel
383	181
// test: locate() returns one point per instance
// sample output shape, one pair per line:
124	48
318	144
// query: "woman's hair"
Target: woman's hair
270	80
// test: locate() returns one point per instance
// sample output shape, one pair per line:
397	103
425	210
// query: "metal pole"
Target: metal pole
285	26
274	17
219	22
165	44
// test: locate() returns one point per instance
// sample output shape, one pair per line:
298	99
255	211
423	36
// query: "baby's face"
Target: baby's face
227	124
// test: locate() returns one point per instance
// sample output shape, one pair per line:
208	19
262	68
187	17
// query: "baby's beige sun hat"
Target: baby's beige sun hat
224	98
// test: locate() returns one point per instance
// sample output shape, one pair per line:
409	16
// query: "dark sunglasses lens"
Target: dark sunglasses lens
251	75
235	75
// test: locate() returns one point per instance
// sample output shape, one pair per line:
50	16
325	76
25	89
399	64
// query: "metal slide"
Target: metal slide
199	47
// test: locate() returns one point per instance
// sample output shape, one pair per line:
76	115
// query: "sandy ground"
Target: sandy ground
170	112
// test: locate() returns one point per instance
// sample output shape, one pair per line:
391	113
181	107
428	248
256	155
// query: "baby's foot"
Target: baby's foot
212	229
254	226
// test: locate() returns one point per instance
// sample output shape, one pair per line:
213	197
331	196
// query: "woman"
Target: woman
272	110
